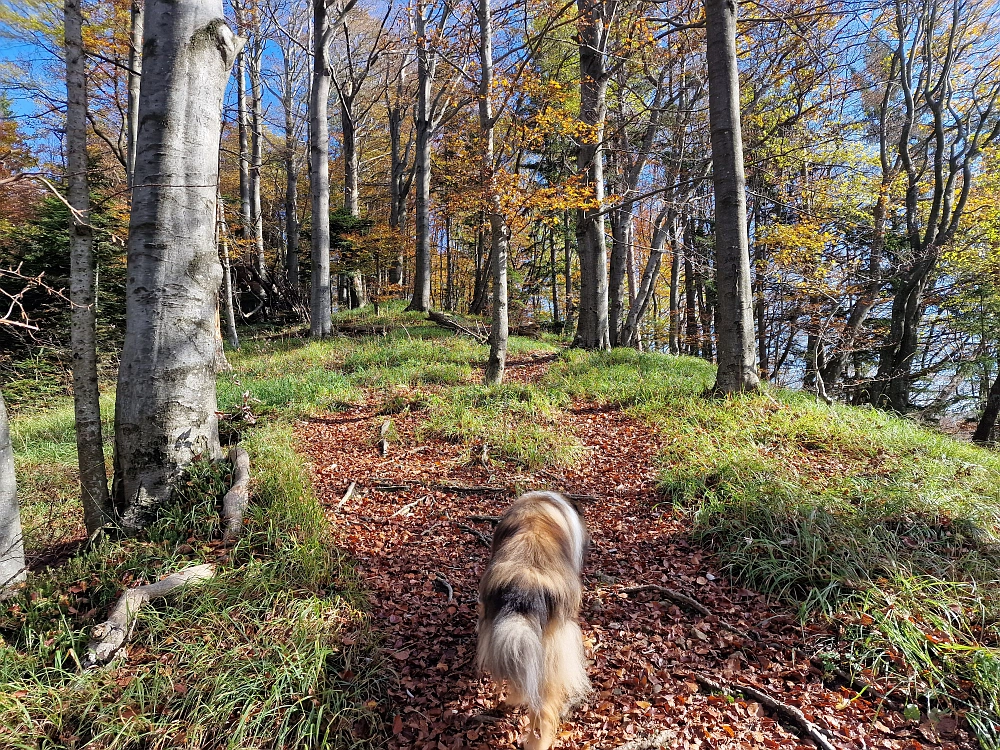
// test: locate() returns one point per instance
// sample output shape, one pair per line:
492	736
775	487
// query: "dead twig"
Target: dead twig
430	528
789	713
390	487
446	321
484	519
470	488
405	510
234	504
443	580
691	603
478	534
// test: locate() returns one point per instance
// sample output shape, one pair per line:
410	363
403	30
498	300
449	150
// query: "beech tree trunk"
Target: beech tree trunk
426	64
593	331
644	294
401	176
320	302
243	127
12	568
497	361
134	76
257	156
291	183
734	324
165	411
83	320
228	303
675	300
986	430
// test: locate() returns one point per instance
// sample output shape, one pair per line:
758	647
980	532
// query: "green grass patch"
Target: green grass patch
519	423
888	529
254	658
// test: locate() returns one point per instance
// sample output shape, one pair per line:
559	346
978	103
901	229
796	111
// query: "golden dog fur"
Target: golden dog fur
529	599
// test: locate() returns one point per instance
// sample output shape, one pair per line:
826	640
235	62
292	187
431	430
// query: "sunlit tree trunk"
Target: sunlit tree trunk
12	568
320	301
165	412
986	430
734	323
134	76
426	64
257	155
228	302
83	319
498	227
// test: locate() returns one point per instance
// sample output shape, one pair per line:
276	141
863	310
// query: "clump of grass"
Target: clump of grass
254	658
518	422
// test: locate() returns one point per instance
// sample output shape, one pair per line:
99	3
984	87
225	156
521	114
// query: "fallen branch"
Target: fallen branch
430	528
234	504
390	487
652	742
789	713
470	489
676	596
478	534
405	510
446	321
108	638
484	519
347	496
582	498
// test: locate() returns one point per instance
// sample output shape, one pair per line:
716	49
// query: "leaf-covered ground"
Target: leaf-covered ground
404	527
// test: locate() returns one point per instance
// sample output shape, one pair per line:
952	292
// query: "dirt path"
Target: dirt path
423	570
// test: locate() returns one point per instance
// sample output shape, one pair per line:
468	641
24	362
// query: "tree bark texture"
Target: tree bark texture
734	324
12	568
426	64
134	77
165	411
593	330
83	319
320	301
986	430
228	301
497	361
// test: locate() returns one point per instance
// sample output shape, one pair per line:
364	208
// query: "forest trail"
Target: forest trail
403	526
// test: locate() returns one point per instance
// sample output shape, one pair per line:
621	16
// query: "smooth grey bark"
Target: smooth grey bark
675	300
593	330
734	322
401	171
499	233
243	127
134	76
986	429
228	304
12	564
424	127
257	157
320	302
165	411
83	319
690	302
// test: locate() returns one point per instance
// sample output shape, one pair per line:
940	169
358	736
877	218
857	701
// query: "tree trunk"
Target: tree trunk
401	177
592	330
352	193
985	431
228	303
555	278
83	322
12	568
499	233
291	188
567	273
422	165
690	307
737	361
165	412
644	294
620	231
484	272
257	159
134	76
320	302
675	300
243	126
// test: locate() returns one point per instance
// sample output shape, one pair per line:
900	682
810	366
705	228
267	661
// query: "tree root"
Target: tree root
478	534
789	713
110	636
234	504
690	603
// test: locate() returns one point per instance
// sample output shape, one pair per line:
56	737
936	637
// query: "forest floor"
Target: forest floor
786	547
414	525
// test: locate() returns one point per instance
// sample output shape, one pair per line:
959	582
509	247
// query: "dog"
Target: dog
529	599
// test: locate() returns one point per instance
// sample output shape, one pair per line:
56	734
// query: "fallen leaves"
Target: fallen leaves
422	569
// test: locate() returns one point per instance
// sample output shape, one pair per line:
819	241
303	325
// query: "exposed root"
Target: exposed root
234	504
110	636
652	742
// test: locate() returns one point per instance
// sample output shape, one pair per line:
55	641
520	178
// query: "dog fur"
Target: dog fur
529	599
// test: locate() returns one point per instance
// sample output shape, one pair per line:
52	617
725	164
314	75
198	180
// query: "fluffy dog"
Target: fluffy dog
528	603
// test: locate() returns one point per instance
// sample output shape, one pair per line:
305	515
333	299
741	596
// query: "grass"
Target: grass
887	529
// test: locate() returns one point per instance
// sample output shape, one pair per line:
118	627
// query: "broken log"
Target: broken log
453	324
108	638
234	504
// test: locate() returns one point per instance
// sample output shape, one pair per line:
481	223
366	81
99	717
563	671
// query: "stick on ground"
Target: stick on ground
347	496
234	504
478	534
789	713
108	638
652	742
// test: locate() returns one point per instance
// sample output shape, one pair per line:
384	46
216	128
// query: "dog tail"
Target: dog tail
511	649
566	665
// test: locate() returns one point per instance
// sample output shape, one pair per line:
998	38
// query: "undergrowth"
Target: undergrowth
254	658
887	529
